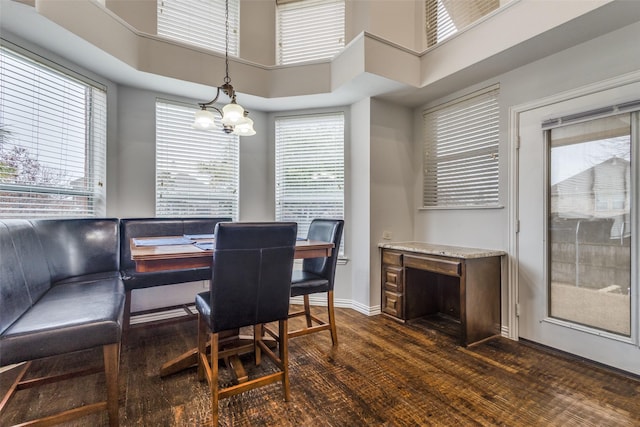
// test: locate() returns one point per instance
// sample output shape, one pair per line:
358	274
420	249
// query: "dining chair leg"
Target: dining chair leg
307	311
202	346
332	318
213	384
258	333
283	342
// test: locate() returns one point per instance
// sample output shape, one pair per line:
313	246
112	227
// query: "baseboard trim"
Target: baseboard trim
321	300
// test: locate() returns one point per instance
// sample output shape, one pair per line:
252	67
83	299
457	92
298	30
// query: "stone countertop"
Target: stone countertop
442	250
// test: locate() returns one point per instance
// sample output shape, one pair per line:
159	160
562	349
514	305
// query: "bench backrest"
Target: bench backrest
153	227
39	253
77	247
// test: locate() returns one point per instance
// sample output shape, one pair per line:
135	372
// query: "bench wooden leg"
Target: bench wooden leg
111	354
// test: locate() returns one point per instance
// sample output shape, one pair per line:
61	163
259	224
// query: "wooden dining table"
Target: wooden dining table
151	257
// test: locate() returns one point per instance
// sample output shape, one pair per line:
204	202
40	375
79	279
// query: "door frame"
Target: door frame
511	328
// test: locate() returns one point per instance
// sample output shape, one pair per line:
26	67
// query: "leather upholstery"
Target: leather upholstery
150	227
79	246
252	264
61	288
68	318
14	294
318	274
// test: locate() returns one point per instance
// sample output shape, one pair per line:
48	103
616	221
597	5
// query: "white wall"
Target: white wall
359	204
396	20
392	174
608	56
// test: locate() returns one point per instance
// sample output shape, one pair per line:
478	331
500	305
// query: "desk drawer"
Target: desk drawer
391	257
392	279
392	304
450	267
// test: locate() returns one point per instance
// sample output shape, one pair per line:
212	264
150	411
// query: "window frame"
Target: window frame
438	181
445	18
310	159
316	45
53	138
187	24
180	154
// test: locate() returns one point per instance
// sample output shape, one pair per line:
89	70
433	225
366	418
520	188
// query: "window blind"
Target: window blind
200	23
461	152
197	172
309	169
52	140
444	18
309	30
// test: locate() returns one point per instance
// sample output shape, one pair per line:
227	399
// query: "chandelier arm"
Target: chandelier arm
204	105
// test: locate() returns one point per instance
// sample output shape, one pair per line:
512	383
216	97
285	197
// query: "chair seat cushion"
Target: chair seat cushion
204	307
305	283
69	317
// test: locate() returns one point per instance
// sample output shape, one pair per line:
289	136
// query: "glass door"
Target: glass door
577	248
589	227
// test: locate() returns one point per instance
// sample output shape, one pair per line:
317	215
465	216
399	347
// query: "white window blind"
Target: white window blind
446	17
52	140
200	23
309	169
309	30
461	152
197	172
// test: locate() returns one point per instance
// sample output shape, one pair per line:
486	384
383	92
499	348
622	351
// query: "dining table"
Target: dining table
165	253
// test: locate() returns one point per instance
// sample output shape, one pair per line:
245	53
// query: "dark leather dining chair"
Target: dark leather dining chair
250	286
318	276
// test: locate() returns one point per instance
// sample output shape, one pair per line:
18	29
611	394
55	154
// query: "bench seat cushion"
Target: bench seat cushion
72	316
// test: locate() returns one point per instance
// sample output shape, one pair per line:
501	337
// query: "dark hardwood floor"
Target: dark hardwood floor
381	374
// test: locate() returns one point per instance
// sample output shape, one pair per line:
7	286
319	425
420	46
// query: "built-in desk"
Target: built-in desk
460	285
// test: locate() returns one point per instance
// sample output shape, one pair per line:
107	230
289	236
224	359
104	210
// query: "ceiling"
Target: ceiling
23	21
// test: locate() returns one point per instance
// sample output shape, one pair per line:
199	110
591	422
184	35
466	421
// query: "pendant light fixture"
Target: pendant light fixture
233	118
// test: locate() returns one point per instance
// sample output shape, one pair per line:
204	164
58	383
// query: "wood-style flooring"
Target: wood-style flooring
382	373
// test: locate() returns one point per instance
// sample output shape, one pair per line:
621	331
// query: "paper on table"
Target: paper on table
205	246
162	242
198	236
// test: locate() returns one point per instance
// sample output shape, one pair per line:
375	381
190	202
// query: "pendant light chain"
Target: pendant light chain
226	47
233	118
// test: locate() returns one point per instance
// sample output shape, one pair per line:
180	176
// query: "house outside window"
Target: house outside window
52	139
310	169
197	172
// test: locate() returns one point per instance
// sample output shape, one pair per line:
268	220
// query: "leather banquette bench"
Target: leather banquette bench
61	292
65	286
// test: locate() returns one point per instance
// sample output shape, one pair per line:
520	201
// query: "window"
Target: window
446	17
52	140
461	152
310	169
590	226
309	29
200	23
197	173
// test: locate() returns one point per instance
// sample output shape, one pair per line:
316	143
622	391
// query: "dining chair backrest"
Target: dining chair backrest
326	230
251	273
